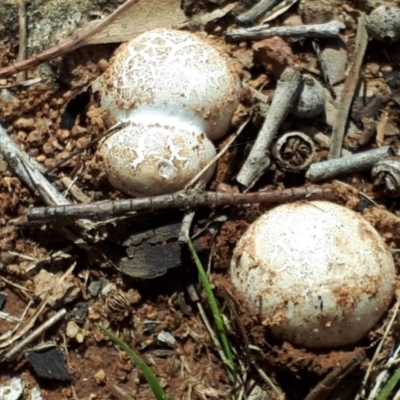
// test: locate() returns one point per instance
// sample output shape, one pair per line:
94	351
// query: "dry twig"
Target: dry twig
184	199
258	161
327	30
349	88
23	33
347	165
64	47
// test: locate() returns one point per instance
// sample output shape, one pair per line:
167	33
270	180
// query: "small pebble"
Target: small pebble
72	330
94	288
100	377
27	124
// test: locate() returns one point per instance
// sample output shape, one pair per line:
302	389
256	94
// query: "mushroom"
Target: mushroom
311	100
384	23
318	274
165	80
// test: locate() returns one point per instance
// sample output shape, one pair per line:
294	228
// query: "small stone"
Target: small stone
41	158
100	377
72	329
27	124
82	142
166	338
80	312
94	288
48	149
36	138
3	166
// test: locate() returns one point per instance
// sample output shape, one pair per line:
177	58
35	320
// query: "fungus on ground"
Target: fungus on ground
318	273
165	81
384	23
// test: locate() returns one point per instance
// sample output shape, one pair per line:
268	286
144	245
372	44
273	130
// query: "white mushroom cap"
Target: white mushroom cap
311	101
384	23
153	158
319	274
178	72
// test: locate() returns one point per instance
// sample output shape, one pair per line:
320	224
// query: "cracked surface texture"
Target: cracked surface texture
176	71
320	274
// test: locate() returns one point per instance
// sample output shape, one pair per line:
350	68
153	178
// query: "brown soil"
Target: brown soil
32	258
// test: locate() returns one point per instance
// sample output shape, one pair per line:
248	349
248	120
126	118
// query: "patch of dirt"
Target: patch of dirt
33	259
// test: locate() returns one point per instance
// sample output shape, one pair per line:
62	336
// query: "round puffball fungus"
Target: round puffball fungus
175	73
318	273
311	101
384	23
177	92
152	159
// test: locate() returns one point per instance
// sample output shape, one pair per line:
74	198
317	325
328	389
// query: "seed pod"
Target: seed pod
386	175
294	151
384	23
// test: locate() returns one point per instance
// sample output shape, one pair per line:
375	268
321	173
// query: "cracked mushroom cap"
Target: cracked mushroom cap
176	72
153	158
384	23
319	274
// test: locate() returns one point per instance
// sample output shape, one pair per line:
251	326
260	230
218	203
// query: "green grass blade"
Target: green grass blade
147	372
388	388
212	301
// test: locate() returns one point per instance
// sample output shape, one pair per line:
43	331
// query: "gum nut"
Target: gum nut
317	273
311	101
384	23
149	159
178	72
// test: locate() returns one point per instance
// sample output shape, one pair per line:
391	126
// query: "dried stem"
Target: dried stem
23	33
35	334
190	198
26	170
347	165
64	47
327	30
371	365
219	155
336	376
255	12
349	88
258	161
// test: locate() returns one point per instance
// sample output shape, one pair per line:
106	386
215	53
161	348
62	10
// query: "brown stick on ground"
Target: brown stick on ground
191	198
23	36
350	85
64	47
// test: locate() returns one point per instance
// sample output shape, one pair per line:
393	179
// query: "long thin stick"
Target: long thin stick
36	333
191	198
26	171
327	30
349	88
256	11
64	47
23	36
371	365
347	165
287	90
